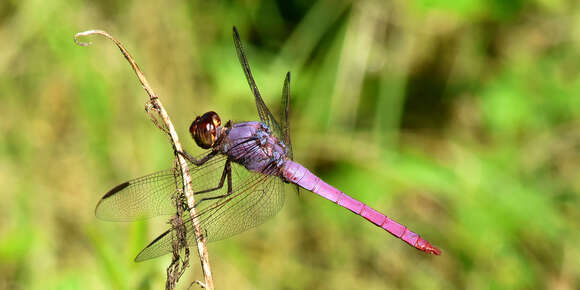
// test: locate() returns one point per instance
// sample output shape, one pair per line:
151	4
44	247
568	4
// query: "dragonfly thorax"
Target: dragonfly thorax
252	145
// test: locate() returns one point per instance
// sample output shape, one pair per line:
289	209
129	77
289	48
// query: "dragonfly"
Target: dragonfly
238	180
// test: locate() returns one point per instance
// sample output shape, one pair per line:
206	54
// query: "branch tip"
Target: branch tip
87	33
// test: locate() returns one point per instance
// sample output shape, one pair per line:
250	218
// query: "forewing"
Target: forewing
143	197
255	198
266	116
152	195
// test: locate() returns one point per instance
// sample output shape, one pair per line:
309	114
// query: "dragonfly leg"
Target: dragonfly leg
198	162
227	173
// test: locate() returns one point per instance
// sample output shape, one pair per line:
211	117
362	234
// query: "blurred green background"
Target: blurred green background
460	119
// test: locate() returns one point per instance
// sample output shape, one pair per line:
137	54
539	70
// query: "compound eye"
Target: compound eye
215	119
204	129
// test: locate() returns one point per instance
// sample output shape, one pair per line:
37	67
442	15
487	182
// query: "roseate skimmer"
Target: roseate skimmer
239	179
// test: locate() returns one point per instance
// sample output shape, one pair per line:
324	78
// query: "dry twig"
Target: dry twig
155	104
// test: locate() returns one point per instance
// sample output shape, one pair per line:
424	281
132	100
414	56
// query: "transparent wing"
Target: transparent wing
266	116
152	195
285	112
285	123
253	201
258	199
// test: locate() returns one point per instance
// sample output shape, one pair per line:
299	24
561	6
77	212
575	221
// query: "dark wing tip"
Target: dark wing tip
115	190
236	32
141	256
288	75
109	194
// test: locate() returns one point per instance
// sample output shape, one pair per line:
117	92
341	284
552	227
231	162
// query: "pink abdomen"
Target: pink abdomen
298	174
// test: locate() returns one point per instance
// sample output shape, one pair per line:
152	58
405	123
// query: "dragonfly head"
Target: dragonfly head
205	130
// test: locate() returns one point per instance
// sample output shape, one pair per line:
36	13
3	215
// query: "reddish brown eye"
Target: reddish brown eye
204	129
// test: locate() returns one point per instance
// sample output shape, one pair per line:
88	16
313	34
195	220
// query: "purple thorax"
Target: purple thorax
252	145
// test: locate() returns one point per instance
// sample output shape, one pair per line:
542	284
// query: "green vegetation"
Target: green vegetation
460	119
